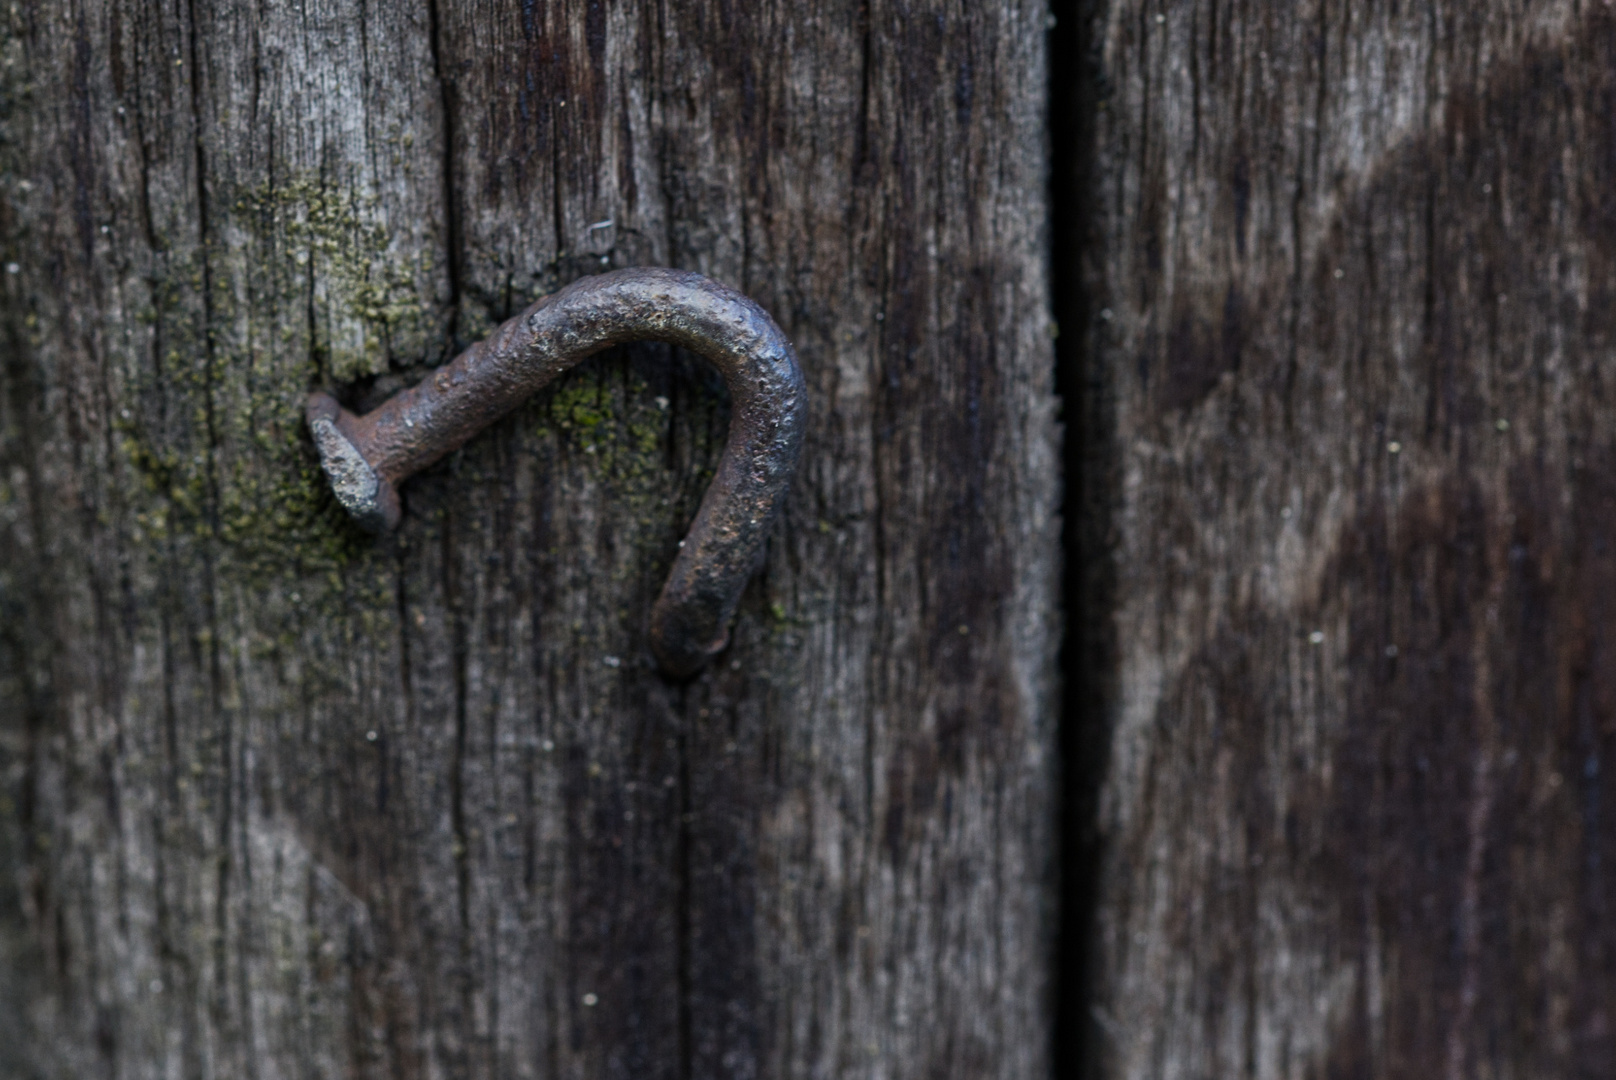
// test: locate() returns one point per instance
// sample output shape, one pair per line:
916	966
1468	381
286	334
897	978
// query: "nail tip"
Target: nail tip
676	658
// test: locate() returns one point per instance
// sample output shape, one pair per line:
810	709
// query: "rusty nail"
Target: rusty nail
366	457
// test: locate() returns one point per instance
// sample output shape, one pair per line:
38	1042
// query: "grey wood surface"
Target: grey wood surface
280	801
1351	281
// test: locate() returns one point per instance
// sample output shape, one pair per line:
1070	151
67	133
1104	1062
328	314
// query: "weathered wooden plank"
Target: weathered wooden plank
285	801
1353	280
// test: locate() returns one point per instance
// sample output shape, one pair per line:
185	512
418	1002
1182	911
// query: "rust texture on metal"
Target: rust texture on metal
366	457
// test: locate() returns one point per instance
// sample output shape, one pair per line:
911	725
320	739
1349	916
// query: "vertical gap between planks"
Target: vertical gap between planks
1087	648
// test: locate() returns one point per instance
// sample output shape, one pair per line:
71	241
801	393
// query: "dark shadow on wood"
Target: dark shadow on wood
1088	650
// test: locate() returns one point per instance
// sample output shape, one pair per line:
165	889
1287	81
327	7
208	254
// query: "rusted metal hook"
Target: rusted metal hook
366	457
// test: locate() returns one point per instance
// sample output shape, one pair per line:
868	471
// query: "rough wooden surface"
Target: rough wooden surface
1352	282
279	802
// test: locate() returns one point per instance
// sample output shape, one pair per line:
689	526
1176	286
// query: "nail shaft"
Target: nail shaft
366	457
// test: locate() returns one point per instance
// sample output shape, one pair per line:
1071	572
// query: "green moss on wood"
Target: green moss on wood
363	294
213	429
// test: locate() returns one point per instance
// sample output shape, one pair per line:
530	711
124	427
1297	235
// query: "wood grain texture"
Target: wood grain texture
279	801
1353	275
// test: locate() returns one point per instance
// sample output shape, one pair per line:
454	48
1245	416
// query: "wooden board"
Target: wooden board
282	801
1352	289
